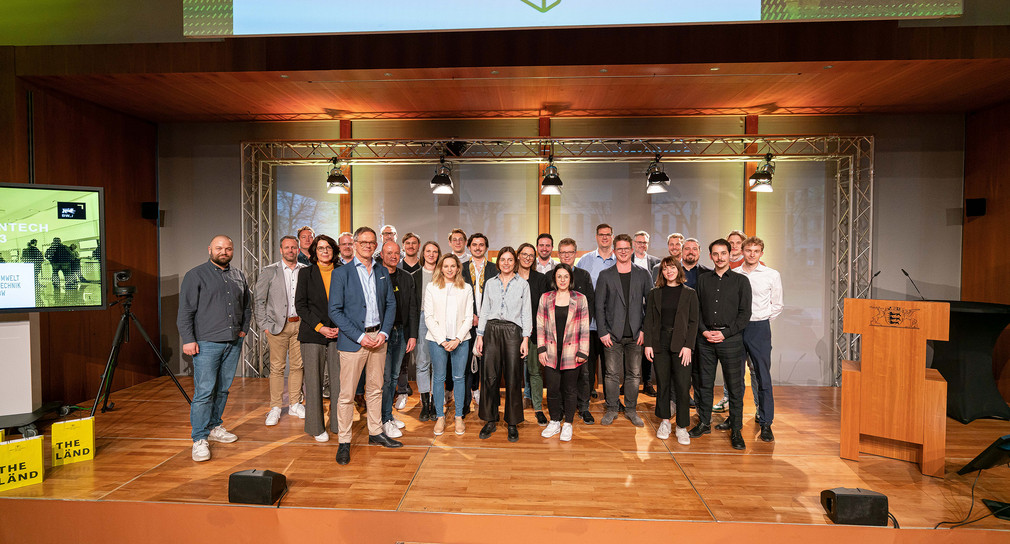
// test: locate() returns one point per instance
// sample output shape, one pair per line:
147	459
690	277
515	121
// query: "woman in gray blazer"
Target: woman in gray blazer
671	326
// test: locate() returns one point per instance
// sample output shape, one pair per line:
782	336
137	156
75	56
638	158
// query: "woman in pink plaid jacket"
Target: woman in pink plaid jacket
563	345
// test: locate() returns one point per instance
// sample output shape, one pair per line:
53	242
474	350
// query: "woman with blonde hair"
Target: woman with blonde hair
448	316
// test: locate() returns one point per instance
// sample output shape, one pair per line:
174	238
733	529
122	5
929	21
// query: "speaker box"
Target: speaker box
256	487
149	210
854	506
974	207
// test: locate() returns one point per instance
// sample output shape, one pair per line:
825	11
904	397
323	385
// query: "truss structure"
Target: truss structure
851	207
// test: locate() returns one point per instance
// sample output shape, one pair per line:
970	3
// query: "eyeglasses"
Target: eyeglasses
622	249
323	248
566	253
366	242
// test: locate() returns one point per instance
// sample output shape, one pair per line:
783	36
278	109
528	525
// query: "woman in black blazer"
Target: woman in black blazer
318	334
671	326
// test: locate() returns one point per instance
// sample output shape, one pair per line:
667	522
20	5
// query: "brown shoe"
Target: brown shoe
359	402
460	426
439	426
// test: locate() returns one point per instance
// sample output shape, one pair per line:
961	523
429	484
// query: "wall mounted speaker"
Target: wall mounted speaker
974	207
854	506
256	487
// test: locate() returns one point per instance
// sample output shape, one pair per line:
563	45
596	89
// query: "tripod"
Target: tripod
123	335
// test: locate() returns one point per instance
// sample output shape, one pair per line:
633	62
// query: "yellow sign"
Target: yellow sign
21	463
73	441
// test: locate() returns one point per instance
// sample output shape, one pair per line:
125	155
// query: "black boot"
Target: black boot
426	407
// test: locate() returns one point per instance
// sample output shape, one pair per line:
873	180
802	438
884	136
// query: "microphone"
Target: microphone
913	283
869	286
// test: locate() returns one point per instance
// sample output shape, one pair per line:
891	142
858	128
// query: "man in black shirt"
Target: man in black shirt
725	298
403	337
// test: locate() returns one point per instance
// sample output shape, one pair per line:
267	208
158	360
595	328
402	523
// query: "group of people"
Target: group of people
63	259
343	314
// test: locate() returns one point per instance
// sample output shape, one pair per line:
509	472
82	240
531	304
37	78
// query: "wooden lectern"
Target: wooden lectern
892	405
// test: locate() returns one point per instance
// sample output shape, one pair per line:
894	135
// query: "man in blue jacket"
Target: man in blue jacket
363	307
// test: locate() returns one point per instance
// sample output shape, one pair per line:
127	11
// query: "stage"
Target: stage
617	481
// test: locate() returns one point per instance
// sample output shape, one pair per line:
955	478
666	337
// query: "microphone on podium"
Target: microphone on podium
913	284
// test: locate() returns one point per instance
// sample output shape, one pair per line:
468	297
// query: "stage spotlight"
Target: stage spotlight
337	182
761	180
552	181
441	183
658	180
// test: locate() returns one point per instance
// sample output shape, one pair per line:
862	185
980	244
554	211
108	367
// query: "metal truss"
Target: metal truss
851	207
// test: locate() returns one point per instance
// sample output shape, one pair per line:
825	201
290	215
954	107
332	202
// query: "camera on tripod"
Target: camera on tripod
123	290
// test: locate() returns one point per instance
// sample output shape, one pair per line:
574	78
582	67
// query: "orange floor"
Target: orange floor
618	480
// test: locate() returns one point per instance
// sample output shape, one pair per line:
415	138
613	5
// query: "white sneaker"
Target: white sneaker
390	429
401	402
325	437
273	416
399	424
566	432
201	451
476	397
663	432
553	428
297	410
220	434
682	436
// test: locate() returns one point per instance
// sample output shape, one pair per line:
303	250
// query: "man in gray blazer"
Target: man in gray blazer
620	309
277	318
643	258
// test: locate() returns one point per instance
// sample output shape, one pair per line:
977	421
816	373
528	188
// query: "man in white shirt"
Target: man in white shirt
545	246
277	318
766	304
595	262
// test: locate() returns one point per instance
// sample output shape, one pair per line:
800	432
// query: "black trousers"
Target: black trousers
562	392
671	377
587	371
502	362
730	354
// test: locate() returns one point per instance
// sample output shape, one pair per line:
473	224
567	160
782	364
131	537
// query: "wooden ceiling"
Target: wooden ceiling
799	69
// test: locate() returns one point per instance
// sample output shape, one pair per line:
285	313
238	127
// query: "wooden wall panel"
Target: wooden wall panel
985	259
77	143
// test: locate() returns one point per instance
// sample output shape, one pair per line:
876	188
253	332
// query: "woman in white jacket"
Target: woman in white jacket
448	314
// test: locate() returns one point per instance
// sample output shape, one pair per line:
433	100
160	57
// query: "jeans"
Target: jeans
396	346
422	358
213	371
439	358
757	342
623	364
587	371
535	381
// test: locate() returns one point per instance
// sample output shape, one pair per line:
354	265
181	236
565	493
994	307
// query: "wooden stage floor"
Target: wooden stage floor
614	472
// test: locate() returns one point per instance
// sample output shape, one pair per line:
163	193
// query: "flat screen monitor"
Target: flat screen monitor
52	241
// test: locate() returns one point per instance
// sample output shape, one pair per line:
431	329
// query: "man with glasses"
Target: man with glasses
457	243
346	245
595	262
363	307
643	259
620	312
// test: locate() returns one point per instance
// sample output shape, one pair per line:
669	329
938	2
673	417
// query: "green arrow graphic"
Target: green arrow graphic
543	7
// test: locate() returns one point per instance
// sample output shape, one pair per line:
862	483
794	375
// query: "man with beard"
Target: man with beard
545	245
725	298
689	259
215	309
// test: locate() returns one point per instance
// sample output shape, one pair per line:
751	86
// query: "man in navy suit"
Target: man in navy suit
362	306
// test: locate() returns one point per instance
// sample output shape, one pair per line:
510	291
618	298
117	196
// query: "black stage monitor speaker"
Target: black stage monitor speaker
854	506
256	487
974	207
